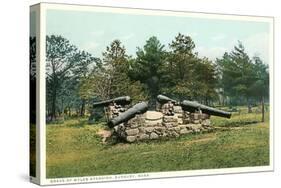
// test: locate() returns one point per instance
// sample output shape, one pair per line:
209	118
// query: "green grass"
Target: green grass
74	149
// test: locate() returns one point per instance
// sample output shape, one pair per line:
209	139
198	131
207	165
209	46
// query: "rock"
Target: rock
153	115
150	123
149	129
177	129
153	135
168	125
183	126
195	116
132	132
175	134
135	125
174	124
141	129
168	119
180	121
185	131
196	121
164	134
116	128
195	126
131	138
204	116
177	109
206	122
161	129
143	137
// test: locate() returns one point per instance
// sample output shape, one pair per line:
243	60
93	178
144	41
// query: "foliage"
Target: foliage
111	78
75	78
148	66
186	75
65	67
243	78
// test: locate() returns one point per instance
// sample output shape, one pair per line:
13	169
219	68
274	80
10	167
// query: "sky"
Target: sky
93	31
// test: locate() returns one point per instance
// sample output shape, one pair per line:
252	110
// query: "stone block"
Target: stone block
149	129
131	138
185	131
168	125
143	136
153	135
168	119
177	129
196	121
206	122
175	134
141	129
132	132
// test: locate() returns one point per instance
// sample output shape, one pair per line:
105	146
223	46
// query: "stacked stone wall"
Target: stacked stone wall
140	128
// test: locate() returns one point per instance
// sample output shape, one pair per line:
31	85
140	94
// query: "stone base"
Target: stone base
139	128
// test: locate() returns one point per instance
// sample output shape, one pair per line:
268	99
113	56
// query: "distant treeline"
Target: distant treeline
75	78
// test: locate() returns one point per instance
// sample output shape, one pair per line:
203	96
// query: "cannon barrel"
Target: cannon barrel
129	114
192	106
163	99
119	100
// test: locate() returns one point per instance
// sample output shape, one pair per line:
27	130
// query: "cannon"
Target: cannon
129	114
192	106
124	100
163	99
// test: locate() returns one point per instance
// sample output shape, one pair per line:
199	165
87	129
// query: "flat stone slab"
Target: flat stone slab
153	115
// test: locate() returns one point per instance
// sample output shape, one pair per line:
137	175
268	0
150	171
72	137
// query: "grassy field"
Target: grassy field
74	149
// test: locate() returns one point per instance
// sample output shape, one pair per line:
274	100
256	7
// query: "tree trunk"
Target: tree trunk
262	109
54	94
69	111
249	106
53	113
82	111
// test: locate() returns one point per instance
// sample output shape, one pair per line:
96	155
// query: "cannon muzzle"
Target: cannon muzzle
192	106
163	99
124	100
129	114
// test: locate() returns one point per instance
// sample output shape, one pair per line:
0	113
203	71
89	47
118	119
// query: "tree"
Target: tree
228	72
179	68
260	88
206	80
148	66
186	76
81	72
110	79
238	74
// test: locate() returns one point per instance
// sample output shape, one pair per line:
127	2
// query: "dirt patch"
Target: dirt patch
105	134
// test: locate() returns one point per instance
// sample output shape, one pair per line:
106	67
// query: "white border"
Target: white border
41	112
